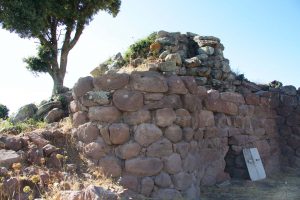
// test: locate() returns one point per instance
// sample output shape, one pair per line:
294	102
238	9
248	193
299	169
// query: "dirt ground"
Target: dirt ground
282	186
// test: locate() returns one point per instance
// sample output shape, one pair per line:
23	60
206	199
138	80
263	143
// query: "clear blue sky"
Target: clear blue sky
261	39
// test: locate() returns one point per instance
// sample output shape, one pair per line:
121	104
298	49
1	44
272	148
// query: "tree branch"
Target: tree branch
79	29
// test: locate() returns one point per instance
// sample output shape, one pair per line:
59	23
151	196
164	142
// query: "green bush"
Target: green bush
140	49
275	84
3	111
28	125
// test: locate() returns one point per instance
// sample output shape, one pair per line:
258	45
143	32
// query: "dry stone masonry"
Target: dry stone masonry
165	133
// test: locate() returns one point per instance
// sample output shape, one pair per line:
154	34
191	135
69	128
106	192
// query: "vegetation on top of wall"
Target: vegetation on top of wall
275	84
140	49
3	111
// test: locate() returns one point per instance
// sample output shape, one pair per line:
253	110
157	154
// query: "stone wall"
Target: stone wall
166	135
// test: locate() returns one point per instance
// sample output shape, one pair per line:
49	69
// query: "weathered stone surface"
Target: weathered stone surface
111	81
128	150
129	181
144	81
147	185
173	133
167	66
163	180
252	99
173	164
153	96
54	115
207	50
190	84
98	193
182	148
176	85
82	86
232	97
138	117
182	180
49	149
79	118
104	114
119	133
143	166
289	90
146	134
206	119
165	117
24	113
87	132
192	62
188	134
95	150
46	107
190	163
221	106
8	157
167	194
241	139
175	57
192	103
127	100
183	118
160	148
288	100
94	98
69	194
110	166
36	138
11	142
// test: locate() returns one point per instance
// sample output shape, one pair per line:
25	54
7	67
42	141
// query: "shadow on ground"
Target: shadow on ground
283	186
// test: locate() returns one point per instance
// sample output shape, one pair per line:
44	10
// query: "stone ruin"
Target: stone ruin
183	123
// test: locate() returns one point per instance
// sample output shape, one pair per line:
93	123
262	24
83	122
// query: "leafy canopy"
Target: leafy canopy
33	18
3	111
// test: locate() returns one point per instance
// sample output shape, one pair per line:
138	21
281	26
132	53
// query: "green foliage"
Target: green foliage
41	62
140	48
275	84
3	111
31	18
57	24
28	125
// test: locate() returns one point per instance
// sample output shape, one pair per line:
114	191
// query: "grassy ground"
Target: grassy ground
283	186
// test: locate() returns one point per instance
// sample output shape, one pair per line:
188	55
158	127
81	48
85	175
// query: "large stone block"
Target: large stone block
232	97
173	164
165	117
110	166
87	132
163	180
112	81
128	150
79	118
143	166
119	133
148	82
8	157
127	100
221	106
160	148
138	117
182	180
95	150
173	133
146	134
206	119
192	103
82	86
167	194
190	84
147	185
176	85
252	99
104	114
183	118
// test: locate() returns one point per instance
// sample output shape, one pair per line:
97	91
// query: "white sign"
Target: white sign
254	164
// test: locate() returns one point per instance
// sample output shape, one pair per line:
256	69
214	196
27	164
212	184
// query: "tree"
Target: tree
3	111
57	25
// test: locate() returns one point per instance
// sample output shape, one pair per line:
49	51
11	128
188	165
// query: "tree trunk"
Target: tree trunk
58	85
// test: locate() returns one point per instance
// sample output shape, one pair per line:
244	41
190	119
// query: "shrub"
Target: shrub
3	111
140	48
275	84
28	125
